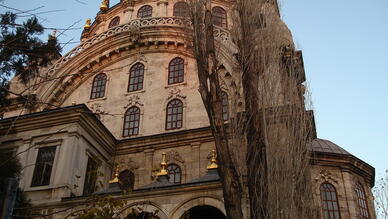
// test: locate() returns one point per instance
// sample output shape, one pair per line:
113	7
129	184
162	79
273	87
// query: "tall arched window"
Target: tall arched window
361	199
174	116
329	199
114	22
225	106
181	9
98	86
131	122
219	17
174	173
136	76
144	12
176	71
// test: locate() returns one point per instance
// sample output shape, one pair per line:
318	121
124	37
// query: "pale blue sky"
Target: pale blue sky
345	46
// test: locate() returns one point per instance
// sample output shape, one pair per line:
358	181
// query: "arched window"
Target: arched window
144	12
98	87
329	199
114	22
362	203
225	106
131	122
181	9
174	173
126	179
136	76
176	71
174	114
219	17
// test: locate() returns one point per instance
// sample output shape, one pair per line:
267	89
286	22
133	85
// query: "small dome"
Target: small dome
326	146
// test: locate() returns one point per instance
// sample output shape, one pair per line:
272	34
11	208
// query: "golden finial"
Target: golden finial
104	5
213	161
163	164
87	24
116	178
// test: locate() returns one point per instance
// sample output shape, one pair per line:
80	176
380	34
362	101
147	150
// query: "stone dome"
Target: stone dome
326	146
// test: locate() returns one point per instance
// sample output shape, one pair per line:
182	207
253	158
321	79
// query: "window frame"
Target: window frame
94	174
222	19
174	123
176	71
144	7
35	172
175	172
129	121
331	213
181	11
98	86
225	106
114	22
361	199
139	85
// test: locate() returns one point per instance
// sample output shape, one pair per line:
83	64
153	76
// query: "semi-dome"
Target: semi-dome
326	146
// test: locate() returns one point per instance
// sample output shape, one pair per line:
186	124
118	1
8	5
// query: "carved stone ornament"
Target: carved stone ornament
133	100
127	163
98	110
175	93
173	156
325	175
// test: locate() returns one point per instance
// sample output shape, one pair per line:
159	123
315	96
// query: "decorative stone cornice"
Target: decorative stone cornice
219	33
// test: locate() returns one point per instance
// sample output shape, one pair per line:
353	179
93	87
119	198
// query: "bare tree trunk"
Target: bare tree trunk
209	88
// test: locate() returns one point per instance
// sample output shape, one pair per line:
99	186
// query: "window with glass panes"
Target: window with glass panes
43	166
90	176
219	17
181	9
131	122
98	86
136	77
361	199
174	118
144	12
330	208
114	22
225	106
174	173
176	71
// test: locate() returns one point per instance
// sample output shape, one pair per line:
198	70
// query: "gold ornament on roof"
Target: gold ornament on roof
163	164
87	24
116	178
104	5
213	161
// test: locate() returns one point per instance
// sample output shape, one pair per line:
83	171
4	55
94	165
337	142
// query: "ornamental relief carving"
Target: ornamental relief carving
175	93
174	157
133	100
325	176
127	163
98	110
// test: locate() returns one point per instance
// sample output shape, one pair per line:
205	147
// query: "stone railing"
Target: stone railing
219	33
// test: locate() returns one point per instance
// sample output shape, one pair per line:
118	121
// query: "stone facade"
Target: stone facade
81	128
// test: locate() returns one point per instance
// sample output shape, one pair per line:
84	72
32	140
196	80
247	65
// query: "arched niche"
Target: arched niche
143	207
213	201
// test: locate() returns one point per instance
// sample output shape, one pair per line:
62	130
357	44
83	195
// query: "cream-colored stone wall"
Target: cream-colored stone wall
152	99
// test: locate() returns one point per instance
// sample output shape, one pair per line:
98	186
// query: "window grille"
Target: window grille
361	199
174	116
98	87
136	77
225	106
144	12
90	176
181	9
43	166
176	71
131	122
329	199
219	17
114	22
174	173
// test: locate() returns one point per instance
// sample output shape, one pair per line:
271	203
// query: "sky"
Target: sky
345	47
